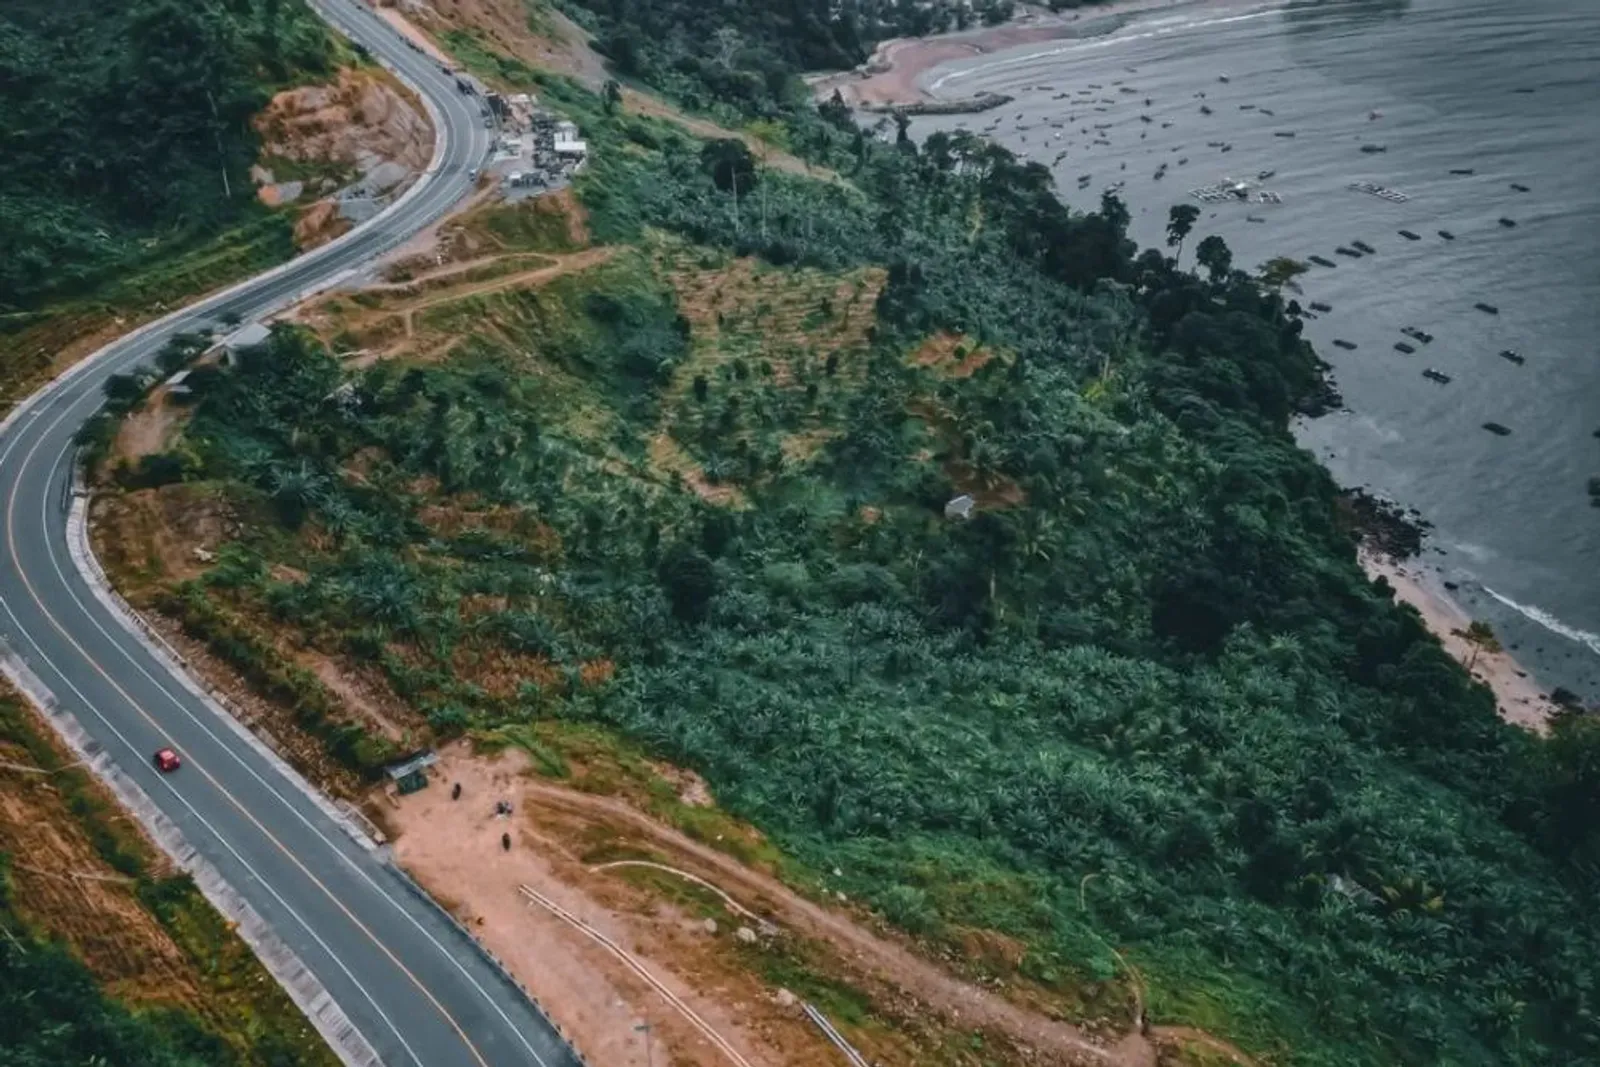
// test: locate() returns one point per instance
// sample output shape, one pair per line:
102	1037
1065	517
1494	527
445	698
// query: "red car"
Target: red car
167	761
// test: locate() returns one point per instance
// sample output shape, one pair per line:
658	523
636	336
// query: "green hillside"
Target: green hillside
692	487
127	136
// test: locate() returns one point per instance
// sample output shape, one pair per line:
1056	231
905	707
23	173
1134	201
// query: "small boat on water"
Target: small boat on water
1204	110
1463	171
1417	335
1349	346
1509	224
1513	355
1352	253
1487	309
1254	218
1401	346
1262	176
1436	376
1447	235
1268	111
1247	107
1408	235
1317	305
1371	149
1222	78
1520	188
1322	261
1384	192
1497	429
1283	133
1363	246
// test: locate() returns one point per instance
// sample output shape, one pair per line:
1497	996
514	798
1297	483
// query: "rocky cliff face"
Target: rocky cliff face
340	150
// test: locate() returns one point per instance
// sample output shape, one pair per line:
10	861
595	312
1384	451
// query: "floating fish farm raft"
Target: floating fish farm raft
1383	192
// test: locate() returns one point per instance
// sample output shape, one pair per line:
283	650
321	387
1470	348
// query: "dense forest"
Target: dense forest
740	55
1142	700
126	130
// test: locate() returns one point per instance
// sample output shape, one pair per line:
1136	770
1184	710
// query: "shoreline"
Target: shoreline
891	77
1518	696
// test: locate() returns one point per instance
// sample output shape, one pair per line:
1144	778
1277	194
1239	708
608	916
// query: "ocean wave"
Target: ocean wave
1100	35
1591	641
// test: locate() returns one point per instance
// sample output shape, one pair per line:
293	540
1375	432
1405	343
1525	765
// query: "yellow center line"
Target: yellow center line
11	545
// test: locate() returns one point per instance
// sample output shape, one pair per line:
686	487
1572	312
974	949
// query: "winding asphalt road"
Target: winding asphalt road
411	983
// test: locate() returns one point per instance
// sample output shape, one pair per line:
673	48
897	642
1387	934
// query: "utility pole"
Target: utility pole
216	133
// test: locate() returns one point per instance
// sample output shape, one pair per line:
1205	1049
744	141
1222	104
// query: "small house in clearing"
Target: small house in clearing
247	336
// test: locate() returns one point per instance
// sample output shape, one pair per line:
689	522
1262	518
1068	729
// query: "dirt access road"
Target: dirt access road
565	844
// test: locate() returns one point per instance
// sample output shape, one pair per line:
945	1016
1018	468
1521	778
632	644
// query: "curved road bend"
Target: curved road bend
417	990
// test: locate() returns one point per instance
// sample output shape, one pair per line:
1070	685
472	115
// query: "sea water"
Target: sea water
1508	91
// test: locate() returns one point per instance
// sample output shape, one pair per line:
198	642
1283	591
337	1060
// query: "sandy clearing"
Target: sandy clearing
1520	699
438	839
590	993
892	74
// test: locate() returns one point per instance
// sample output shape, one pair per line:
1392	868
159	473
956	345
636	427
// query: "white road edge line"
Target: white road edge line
93	575
298	981
78	542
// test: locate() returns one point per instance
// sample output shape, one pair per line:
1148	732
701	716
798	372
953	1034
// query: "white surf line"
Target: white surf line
1163	28
1588	640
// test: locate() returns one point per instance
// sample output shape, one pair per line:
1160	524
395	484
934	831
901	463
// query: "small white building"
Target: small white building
568	144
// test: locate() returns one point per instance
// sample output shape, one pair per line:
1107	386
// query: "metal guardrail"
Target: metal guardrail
833	1035
412	886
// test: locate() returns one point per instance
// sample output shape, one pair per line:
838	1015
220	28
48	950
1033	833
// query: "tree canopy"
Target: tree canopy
126	127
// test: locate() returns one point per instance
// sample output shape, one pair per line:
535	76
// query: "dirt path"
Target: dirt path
924	981
566	264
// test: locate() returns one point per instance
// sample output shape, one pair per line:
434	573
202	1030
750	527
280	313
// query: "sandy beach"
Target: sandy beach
891	75
1520	699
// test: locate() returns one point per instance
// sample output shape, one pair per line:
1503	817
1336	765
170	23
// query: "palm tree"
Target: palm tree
1180	223
1481	638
